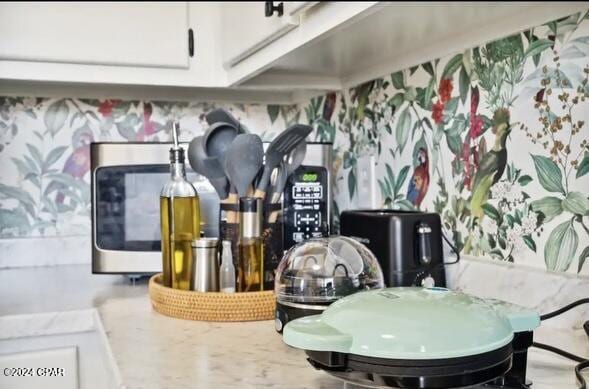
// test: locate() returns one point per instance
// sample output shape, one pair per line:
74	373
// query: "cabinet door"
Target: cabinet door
246	29
125	33
295	8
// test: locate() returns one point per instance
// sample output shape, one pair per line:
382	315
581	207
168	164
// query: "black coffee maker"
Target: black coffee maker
407	244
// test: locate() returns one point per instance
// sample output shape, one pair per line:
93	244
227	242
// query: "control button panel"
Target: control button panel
305	205
307	192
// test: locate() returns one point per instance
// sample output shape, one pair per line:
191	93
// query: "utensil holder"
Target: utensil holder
229	231
273	243
272	234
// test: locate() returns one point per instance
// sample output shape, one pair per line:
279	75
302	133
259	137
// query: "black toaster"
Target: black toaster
407	244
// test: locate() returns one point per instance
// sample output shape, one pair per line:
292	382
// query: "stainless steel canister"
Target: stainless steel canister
206	269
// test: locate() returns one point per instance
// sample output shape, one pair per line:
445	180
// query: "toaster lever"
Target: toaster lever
424	241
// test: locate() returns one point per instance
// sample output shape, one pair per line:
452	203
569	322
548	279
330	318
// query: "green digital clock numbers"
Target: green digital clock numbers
309	177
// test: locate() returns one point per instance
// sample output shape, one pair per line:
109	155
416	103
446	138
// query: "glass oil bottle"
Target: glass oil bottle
250	270
180	221
227	270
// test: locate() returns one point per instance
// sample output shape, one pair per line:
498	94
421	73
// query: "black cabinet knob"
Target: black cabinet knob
270	8
190	42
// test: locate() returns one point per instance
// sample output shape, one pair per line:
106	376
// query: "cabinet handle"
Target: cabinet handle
190	42
270	8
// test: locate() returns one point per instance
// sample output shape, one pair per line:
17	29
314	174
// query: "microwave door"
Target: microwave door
127	207
126	216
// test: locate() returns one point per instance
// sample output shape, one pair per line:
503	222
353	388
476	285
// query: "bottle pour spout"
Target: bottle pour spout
175	130
176	152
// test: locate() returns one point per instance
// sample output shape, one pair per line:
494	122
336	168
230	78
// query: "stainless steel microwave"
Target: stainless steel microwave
126	179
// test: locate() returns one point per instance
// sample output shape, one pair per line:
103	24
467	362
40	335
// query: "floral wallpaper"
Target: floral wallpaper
493	139
44	151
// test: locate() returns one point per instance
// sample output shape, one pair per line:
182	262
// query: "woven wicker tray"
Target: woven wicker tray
211	306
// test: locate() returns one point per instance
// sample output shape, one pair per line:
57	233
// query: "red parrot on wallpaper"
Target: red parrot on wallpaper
78	163
419	182
149	127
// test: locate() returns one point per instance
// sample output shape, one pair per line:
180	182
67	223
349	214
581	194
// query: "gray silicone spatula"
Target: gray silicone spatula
222	115
207	166
243	161
291	162
283	144
217	139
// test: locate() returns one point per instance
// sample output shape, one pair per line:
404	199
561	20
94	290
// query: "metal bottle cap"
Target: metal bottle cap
205	242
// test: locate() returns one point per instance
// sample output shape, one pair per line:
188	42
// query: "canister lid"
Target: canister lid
205	242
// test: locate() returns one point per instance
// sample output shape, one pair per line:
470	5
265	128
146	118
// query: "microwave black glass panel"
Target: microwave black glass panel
127	206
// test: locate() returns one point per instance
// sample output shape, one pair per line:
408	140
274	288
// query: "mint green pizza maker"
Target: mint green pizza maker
418	338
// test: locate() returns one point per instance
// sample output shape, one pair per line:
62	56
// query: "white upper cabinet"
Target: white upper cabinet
130	34
112	43
251	25
304	22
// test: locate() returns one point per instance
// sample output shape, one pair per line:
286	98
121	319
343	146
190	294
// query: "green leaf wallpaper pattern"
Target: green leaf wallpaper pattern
576	203
493	138
561	247
44	183
56	116
549	174
583	166
550	207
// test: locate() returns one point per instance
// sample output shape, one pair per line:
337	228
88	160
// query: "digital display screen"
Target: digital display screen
309	177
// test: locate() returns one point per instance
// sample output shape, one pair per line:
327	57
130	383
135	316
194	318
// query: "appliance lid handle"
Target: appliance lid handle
424	240
310	333
521	318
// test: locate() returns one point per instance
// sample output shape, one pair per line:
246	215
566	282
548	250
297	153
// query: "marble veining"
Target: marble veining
44	251
530	287
47	323
208	355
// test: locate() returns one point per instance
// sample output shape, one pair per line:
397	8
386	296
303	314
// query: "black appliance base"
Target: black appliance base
285	313
503	368
528	385
422	374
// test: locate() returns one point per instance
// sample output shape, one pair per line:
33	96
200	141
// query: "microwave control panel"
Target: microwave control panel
305	205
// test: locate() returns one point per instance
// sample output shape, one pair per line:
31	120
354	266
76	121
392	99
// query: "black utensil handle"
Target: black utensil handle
229	207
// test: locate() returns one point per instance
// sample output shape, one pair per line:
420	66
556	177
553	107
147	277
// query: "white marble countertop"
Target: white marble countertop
154	351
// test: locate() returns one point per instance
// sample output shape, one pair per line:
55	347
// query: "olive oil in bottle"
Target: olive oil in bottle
180	222
251	265
250	271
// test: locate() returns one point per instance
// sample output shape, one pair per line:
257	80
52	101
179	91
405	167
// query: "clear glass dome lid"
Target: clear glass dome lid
323	270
